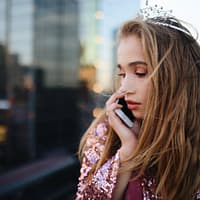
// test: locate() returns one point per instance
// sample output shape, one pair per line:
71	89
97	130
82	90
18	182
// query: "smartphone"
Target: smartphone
125	114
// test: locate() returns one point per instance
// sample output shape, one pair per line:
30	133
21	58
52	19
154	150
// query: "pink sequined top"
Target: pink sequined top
100	186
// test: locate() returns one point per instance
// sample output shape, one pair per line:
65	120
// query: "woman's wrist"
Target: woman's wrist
125	153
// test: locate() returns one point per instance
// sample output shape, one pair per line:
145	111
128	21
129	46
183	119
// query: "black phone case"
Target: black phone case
124	113
125	109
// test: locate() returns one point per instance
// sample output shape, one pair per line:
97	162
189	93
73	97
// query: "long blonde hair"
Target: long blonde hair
169	139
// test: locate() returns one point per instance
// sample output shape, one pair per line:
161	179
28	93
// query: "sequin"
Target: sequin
148	187
101	185
198	195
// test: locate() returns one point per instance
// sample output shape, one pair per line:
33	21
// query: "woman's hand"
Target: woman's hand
128	136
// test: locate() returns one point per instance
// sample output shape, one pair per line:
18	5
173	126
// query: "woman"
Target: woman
158	158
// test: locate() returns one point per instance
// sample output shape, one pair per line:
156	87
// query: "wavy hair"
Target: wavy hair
169	141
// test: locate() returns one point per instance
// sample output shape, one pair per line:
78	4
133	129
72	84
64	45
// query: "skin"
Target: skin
134	87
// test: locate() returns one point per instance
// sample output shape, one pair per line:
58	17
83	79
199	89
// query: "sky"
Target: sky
118	11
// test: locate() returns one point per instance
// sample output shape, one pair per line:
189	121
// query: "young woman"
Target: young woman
159	157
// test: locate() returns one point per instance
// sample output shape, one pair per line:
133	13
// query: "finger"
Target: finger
115	96
111	107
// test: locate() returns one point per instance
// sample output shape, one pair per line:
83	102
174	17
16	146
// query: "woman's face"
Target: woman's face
133	72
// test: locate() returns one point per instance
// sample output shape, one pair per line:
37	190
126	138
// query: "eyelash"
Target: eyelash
140	74
121	74
137	73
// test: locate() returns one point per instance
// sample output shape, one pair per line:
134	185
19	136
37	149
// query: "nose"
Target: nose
127	86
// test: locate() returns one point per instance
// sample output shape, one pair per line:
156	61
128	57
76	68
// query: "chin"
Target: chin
138	115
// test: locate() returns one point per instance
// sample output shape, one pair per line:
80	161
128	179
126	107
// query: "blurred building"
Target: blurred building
87	73
56	41
45	33
2	72
39	65
89	30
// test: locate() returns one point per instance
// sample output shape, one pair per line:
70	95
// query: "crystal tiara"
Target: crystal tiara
153	12
157	15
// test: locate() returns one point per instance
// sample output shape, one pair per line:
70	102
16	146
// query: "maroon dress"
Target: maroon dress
134	189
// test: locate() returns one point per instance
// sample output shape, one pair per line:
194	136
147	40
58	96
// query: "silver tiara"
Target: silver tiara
153	14
155	11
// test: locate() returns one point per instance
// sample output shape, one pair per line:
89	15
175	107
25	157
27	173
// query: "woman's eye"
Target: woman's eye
121	74
141	71
141	74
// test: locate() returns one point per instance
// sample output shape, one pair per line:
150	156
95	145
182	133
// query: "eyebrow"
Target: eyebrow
131	64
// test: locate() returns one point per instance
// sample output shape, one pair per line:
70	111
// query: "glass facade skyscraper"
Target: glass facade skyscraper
44	34
56	43
39	92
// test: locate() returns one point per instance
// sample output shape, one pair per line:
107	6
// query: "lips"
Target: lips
132	105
